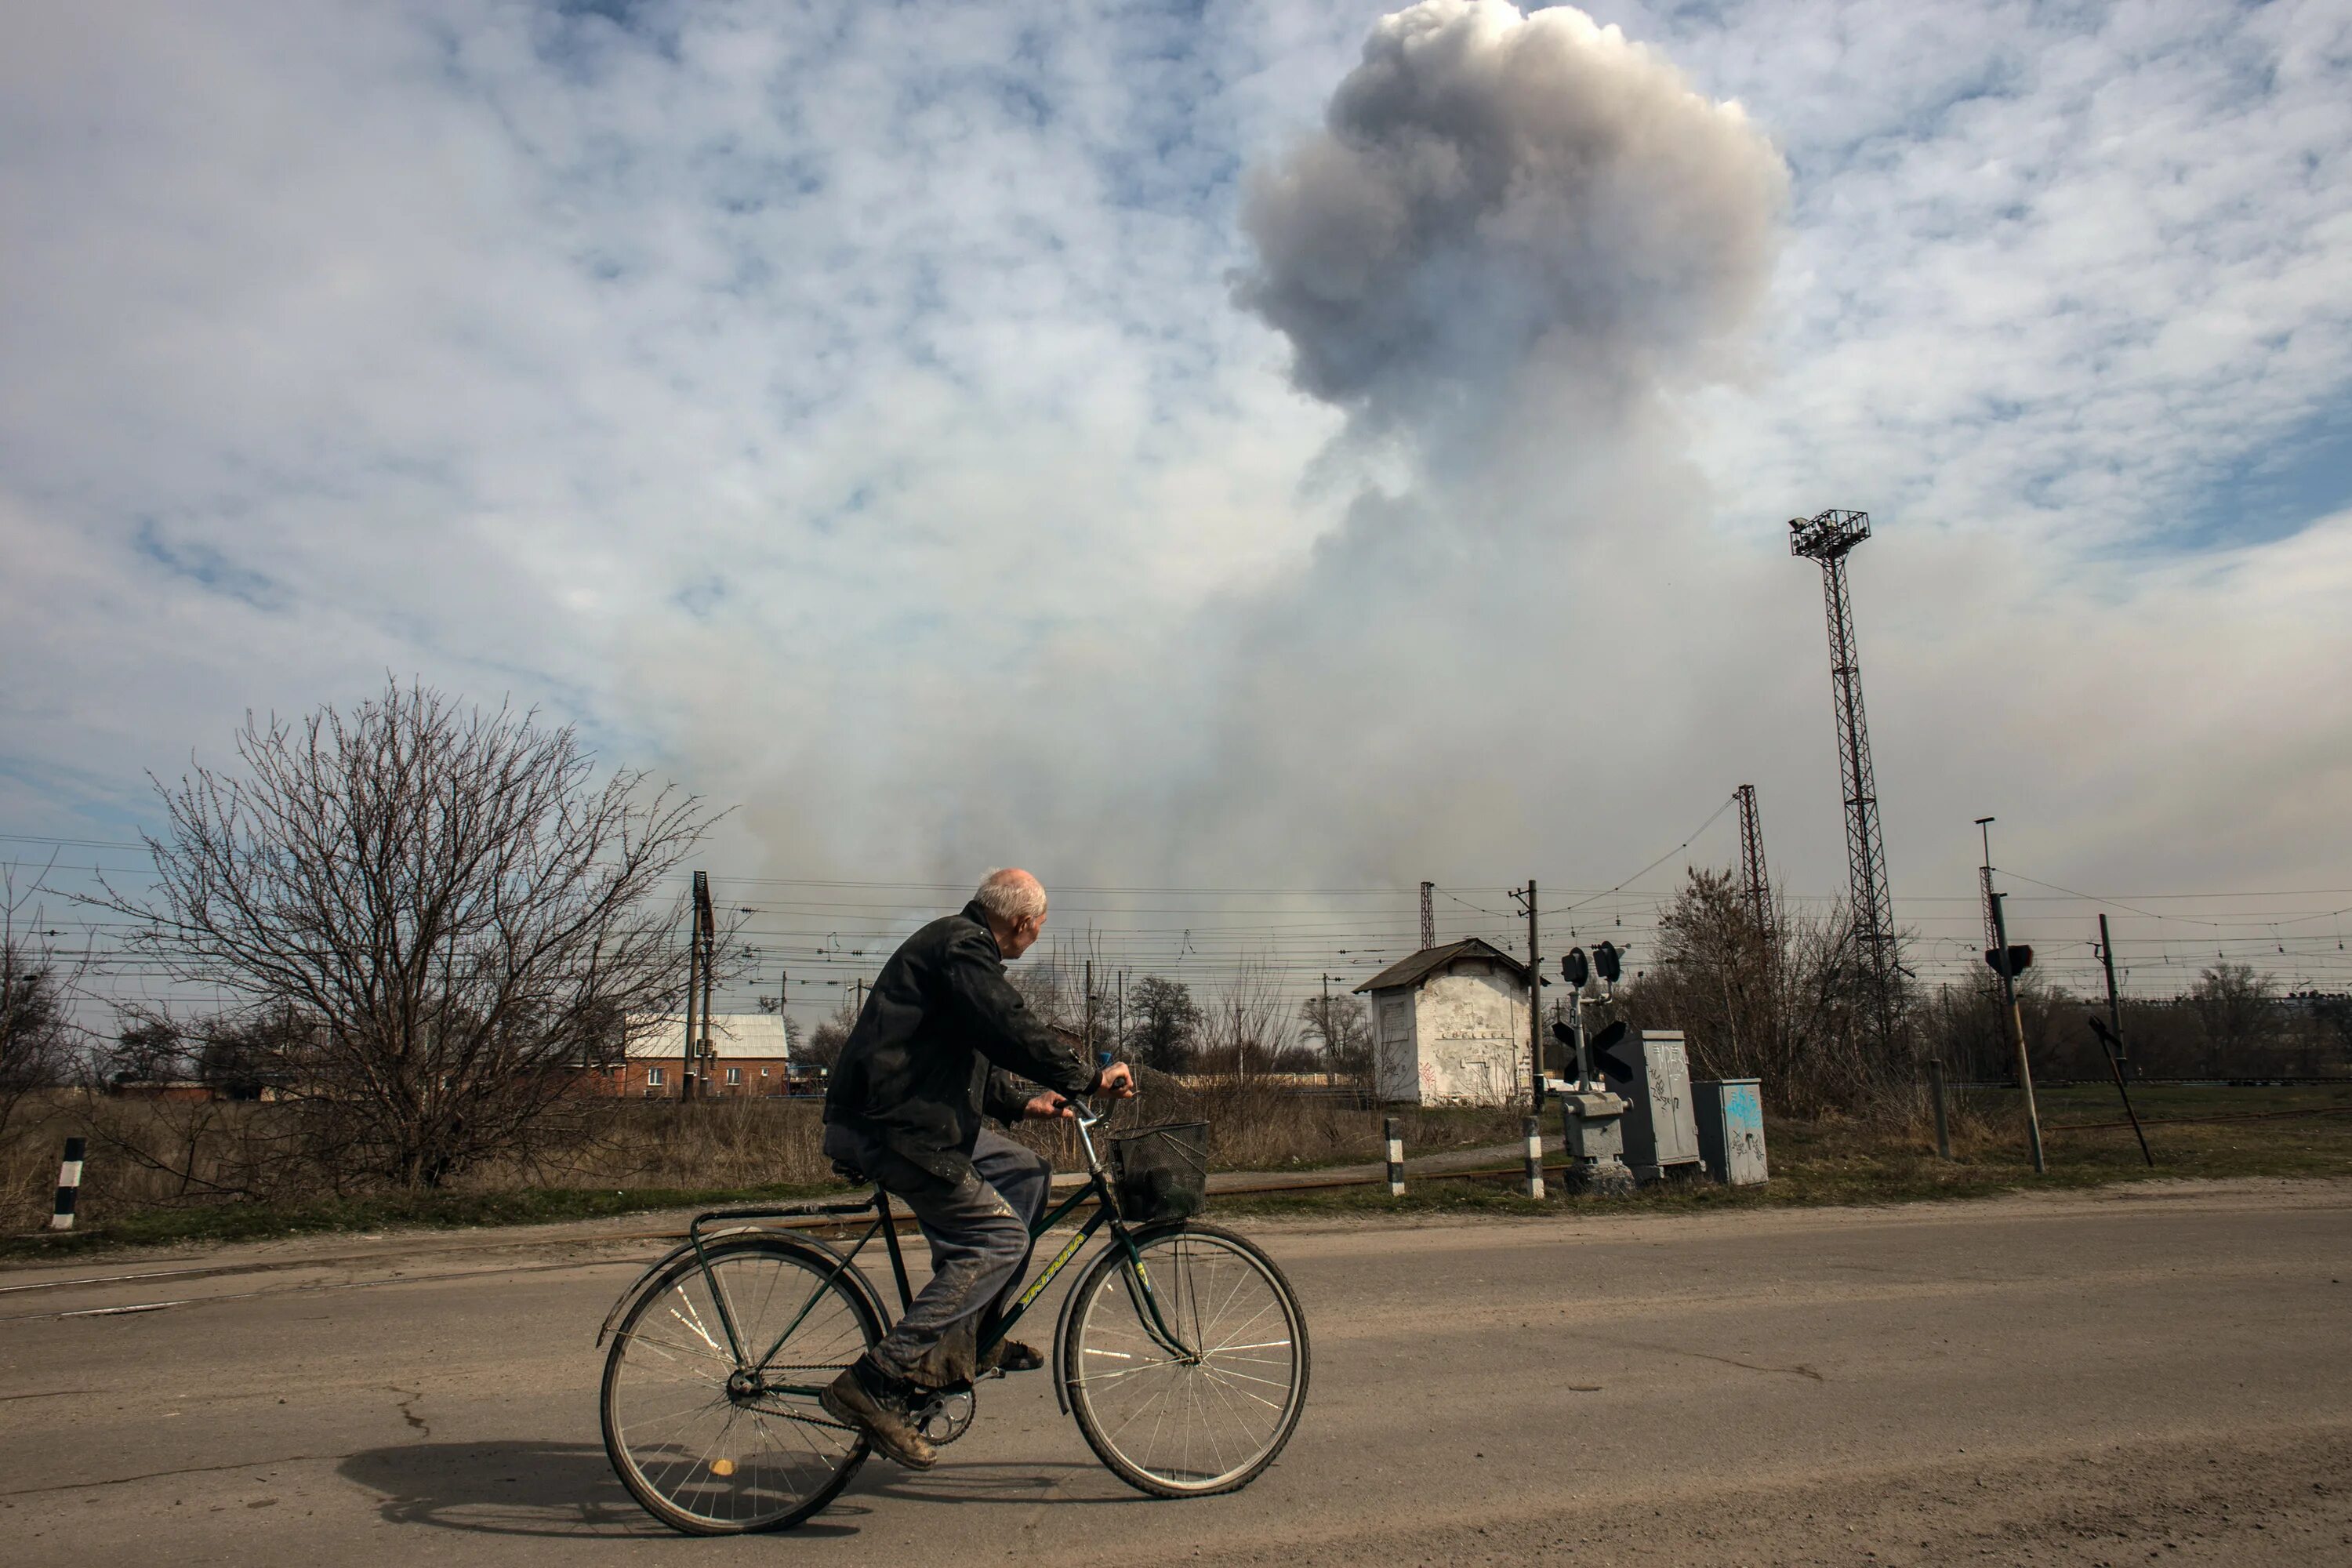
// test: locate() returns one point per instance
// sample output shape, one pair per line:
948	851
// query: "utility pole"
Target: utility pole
1999	951
860	1005
1535	1001
2111	1039
1428	916
706	931
1122	1015
1090	1010
1329	1077
693	987
2017	1025
2115	1002
1827	539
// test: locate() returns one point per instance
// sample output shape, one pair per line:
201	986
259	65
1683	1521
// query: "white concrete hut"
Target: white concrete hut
1450	1027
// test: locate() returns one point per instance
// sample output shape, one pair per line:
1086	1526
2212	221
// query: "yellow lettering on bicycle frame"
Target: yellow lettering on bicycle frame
1051	1270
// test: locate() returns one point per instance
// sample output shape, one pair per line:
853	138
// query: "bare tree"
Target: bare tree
1345	1032
150	1048
444	912
2236	1010
1793	1006
1163	1024
823	1044
1247	1030
36	1031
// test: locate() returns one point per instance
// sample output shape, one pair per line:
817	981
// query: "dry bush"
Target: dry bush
1255	1125
148	1153
36	1031
145	1154
703	1143
29	1150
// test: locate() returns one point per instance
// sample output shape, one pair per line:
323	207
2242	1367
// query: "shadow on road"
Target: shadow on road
986	1482
567	1489
500	1489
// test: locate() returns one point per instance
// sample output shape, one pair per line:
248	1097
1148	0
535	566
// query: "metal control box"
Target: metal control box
1662	1124
1731	1129
1593	1127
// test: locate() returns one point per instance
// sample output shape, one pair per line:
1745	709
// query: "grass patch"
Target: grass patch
1846	1163
1813	1163
217	1223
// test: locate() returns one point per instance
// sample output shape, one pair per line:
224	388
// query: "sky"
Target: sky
1267	447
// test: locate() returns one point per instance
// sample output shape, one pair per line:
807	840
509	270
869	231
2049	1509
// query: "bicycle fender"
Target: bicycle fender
716	1243
636	1287
1070	1301
1061	1333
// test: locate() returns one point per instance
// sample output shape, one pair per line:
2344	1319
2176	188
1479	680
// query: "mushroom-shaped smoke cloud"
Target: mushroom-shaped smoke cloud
1492	192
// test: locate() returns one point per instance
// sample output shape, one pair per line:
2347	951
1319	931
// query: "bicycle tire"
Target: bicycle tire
1106	1327
745	1488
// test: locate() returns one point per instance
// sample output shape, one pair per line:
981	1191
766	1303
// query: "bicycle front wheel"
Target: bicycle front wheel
711	1443
1186	1369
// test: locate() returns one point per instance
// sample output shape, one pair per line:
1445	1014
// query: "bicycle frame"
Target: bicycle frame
1096	1189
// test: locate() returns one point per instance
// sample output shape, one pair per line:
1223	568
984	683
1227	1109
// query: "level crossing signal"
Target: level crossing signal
2021	958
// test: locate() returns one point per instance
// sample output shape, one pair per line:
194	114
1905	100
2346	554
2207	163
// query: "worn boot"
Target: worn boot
1008	1355
863	1397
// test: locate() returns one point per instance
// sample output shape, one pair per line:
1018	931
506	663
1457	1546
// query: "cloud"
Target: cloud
848	412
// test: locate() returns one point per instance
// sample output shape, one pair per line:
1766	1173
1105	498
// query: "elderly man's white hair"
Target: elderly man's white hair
1011	895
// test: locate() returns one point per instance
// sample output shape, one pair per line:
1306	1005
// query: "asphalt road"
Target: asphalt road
2151	1374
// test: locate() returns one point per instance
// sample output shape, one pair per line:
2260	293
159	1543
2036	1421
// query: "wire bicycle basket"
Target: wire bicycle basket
1161	1172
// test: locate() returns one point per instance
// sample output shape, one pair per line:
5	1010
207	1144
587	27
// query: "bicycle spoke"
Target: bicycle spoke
1207	1419
721	1461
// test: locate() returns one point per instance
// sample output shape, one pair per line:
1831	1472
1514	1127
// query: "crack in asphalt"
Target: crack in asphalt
1799	1370
407	1408
159	1475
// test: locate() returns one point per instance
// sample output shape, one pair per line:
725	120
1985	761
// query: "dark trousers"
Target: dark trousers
978	1232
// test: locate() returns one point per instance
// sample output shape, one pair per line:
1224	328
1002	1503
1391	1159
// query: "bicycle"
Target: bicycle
1181	1351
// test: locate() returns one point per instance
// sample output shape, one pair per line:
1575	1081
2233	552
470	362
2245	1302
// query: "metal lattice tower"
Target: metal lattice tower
1829	538
1428	916
1753	881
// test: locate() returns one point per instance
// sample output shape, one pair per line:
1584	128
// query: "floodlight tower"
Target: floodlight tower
1829	538
1754	884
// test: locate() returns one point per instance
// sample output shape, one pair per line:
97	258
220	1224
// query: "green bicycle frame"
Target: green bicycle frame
885	1224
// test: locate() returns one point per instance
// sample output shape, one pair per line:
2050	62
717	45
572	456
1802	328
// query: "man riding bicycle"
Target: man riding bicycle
943	1041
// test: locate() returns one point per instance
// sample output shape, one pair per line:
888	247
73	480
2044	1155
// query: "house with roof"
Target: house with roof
750	1053
1450	1027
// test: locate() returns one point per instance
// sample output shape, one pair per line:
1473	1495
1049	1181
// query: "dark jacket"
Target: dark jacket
938	1047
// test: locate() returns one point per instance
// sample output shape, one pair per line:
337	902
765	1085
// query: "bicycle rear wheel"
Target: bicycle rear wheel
713	1445
1198	1397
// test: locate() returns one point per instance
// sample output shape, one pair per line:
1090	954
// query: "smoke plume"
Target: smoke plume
1513	238
1496	195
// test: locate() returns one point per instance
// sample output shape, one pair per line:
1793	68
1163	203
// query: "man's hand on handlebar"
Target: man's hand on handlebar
1117	1080
1047	1106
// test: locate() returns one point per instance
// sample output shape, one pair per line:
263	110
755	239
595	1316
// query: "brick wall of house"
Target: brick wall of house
753	1078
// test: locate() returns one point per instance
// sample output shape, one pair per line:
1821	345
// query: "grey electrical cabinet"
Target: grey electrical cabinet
1731	1131
1662	1127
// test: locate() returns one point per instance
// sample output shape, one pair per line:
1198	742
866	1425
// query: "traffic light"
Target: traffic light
1574	969
2021	958
1604	958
